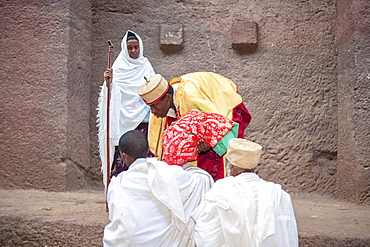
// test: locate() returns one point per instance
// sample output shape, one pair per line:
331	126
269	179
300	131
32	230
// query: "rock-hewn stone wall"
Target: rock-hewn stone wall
302	70
353	47
45	102
288	82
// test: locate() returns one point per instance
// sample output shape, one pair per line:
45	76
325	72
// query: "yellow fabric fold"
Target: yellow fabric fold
155	133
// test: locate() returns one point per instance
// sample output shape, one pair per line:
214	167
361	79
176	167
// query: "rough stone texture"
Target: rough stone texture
244	33
79	86
288	83
171	35
306	84
45	103
24	232
354	97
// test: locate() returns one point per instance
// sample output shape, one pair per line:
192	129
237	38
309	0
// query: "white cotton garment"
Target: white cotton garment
150	204
245	211
127	109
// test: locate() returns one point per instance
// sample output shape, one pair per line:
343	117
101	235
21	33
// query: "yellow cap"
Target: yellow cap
153	89
243	153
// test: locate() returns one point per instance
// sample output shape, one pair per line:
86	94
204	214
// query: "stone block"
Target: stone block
171	36
244	34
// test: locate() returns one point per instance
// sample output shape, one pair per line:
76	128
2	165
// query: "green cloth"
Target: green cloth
221	146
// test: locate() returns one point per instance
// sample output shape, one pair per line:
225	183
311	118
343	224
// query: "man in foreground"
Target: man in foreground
245	210
204	91
150	203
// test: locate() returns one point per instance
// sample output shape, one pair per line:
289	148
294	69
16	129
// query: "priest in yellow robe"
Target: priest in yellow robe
204	91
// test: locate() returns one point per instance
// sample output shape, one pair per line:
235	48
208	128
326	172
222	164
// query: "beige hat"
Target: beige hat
153	89
243	153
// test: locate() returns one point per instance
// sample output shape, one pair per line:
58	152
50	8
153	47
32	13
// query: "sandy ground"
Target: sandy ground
320	219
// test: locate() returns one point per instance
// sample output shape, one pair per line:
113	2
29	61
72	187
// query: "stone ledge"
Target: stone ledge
38	218
20	231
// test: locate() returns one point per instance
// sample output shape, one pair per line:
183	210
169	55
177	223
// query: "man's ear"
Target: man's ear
125	157
120	154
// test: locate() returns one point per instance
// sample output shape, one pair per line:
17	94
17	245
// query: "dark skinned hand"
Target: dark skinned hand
202	146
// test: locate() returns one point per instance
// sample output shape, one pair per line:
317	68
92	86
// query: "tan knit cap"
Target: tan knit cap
243	153
153	89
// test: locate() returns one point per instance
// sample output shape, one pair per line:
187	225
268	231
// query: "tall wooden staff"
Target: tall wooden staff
110	49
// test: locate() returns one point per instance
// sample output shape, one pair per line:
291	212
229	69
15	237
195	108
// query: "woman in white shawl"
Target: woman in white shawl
127	110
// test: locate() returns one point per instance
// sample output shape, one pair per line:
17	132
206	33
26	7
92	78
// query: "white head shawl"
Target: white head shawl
127	109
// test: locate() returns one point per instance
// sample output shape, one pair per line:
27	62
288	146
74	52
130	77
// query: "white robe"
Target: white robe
245	211
150	204
127	109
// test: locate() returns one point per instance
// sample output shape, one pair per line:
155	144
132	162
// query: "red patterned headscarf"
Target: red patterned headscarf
181	138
